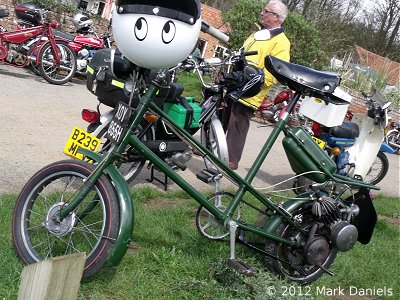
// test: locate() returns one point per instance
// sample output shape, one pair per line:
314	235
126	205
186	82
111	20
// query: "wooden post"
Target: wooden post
53	279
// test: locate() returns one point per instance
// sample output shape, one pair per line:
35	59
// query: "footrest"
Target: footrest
208	176
241	267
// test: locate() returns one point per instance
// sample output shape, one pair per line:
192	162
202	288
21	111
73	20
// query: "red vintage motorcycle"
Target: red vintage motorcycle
272	111
55	60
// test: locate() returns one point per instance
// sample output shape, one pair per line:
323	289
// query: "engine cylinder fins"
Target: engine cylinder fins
326	210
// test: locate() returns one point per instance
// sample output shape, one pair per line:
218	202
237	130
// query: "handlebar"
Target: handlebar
249	53
219	35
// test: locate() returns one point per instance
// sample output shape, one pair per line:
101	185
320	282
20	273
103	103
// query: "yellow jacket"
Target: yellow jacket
278	46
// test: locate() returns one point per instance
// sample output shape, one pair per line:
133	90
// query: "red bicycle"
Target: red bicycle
55	60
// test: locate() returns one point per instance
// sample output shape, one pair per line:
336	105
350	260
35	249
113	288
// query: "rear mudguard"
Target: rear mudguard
125	209
386	148
366	219
290	206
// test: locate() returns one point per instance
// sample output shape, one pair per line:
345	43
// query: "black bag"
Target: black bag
101	81
107	81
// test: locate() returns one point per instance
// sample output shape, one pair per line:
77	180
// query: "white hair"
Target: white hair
279	8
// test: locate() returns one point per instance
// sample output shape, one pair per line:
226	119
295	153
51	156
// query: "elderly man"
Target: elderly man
271	17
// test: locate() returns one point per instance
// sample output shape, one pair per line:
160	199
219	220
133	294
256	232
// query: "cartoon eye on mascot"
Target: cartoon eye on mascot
156	34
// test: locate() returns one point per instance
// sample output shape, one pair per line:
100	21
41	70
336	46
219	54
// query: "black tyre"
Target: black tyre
57	73
34	68
92	227
212	136
135	162
295	255
378	170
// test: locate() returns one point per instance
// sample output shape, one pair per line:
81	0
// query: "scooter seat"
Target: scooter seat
302	79
64	35
346	130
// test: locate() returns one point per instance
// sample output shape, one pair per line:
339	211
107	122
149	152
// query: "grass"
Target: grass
192	85
168	259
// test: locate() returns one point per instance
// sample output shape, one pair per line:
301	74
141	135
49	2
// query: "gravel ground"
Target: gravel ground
37	118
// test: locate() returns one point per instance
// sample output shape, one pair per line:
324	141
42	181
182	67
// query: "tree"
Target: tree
306	46
242	18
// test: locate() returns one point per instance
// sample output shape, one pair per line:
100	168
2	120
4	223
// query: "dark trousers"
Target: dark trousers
239	124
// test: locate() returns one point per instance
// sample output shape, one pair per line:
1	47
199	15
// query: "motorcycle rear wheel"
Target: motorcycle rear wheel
295	255
50	71
91	228
378	170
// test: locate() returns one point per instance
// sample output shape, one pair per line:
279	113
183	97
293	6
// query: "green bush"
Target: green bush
306	46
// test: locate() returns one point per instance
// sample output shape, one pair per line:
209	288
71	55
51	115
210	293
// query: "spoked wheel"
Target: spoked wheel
378	170
319	250
135	162
212	136
207	224
53	71
91	228
34	68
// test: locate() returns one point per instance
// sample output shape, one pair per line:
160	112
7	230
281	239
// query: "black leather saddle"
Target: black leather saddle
346	130
304	80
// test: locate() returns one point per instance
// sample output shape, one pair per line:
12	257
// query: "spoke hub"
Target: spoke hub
59	228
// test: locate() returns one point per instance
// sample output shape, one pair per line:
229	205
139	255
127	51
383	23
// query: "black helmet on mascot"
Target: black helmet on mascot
248	82
156	34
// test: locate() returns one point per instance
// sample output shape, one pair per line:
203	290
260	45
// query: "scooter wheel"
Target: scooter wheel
378	170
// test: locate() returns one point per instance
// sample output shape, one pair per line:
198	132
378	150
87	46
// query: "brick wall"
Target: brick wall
213	17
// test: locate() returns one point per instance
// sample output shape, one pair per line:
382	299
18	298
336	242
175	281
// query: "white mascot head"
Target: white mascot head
156	34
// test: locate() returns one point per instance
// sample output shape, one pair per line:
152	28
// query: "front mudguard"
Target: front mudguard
386	148
125	208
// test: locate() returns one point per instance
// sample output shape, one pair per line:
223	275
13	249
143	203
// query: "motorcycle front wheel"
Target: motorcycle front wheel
53	72
378	170
212	136
91	228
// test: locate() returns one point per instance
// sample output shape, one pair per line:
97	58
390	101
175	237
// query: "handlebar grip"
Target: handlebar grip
249	53
219	35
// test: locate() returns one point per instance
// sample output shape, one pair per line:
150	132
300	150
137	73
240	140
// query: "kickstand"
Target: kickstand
154	178
237	265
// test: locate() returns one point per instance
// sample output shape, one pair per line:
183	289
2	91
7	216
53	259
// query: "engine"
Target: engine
343	234
17	54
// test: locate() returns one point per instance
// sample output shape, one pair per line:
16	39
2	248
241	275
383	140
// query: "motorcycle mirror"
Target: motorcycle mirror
262	35
386	105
